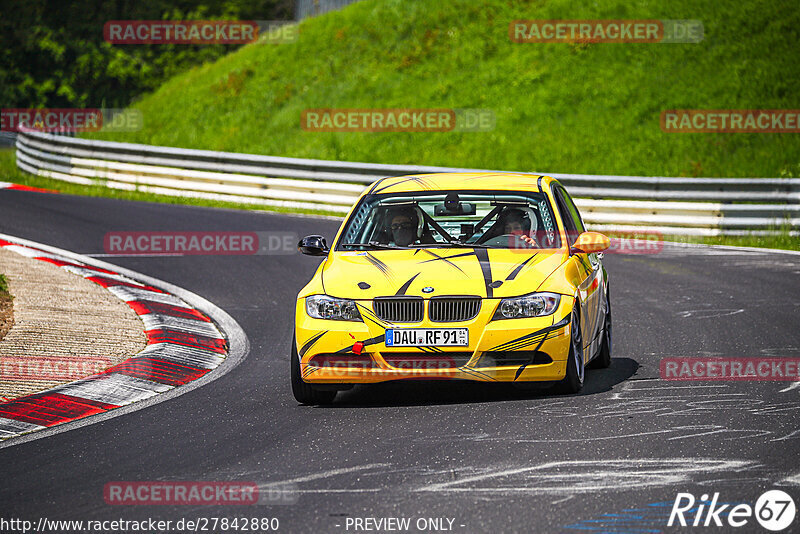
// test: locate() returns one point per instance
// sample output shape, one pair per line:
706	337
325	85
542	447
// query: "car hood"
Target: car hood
488	273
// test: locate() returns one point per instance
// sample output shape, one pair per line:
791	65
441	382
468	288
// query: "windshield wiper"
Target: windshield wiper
454	244
459	244
374	244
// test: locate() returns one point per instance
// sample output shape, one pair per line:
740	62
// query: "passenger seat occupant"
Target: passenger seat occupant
517	222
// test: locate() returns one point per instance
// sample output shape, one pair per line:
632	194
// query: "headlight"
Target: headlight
325	307
533	305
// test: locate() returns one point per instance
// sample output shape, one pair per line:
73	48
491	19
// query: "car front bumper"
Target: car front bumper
508	350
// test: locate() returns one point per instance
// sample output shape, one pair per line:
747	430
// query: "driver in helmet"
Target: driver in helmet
403	222
403	225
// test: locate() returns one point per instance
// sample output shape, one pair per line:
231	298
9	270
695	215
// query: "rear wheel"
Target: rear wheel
603	358
573	381
304	393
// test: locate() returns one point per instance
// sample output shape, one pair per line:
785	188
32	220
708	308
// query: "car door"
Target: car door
592	285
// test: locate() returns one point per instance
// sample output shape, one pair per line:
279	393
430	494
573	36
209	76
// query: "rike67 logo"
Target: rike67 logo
774	510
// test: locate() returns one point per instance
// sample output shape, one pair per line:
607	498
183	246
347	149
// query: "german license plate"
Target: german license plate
427	337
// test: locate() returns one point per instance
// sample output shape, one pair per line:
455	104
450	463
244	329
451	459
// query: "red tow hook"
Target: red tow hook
358	347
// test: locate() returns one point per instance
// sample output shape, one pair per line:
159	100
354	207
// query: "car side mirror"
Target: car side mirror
589	242
313	245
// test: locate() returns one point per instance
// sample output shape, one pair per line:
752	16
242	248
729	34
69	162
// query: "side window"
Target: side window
566	216
573	210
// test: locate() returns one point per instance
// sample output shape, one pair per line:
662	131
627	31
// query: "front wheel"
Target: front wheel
573	380
304	393
603	358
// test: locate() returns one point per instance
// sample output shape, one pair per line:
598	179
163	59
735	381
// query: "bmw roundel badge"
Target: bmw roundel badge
427	289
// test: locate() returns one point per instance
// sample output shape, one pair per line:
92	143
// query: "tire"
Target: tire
304	393
573	380
603	358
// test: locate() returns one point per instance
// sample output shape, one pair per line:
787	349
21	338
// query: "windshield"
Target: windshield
486	219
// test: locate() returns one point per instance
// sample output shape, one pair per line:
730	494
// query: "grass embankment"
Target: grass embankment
6	307
559	107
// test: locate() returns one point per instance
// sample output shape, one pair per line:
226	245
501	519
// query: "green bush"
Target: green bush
53	53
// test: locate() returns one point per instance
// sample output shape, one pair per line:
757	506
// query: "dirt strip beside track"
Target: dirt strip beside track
6	313
65	327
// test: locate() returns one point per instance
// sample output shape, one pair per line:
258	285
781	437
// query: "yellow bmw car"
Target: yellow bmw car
474	276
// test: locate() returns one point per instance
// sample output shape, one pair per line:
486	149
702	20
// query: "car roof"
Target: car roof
448	181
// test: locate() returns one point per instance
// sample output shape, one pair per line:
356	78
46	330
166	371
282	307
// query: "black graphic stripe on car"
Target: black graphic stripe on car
308	344
405	286
446	259
505	346
382	267
486	269
519	267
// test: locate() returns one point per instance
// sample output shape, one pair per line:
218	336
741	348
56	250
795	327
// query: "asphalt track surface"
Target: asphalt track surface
489	458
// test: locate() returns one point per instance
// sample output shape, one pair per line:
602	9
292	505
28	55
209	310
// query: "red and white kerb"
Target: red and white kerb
182	345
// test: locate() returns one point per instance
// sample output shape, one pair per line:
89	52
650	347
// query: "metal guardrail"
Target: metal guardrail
7	139
678	206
